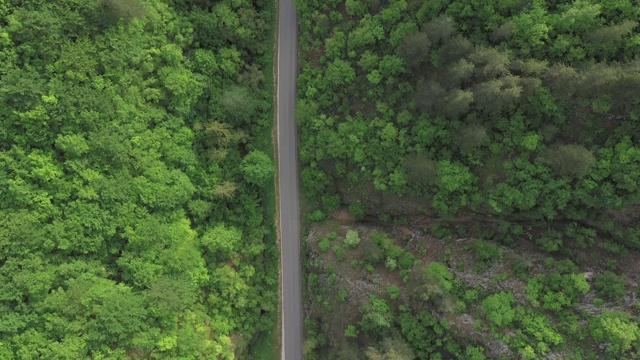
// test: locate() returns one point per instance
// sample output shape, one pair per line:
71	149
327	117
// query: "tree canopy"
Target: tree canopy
134	177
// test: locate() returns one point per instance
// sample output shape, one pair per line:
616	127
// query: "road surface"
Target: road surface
288	184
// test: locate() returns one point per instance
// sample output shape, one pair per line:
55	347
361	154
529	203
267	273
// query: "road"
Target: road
289	208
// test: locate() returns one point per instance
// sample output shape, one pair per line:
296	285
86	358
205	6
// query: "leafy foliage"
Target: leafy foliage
130	225
517	116
497	308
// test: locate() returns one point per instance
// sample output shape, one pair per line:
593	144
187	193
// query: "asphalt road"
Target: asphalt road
288	184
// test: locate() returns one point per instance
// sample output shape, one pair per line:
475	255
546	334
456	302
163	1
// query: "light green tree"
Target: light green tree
497	308
257	168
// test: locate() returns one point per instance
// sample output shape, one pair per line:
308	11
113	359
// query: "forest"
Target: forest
136	178
509	126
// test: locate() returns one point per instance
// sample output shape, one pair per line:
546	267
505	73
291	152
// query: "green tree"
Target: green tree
421	171
457	73
471	137
377	315
440	29
257	168
490	63
610	285
222	241
452	177
414	49
432	282
497	308
456	103
239	103
617	330
123	9
339	73
368	32
569	160
497	95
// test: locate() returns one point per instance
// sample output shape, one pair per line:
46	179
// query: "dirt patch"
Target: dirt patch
342	216
627	216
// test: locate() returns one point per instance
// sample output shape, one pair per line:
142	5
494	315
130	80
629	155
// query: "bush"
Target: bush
324	245
351	331
352	239
551	241
340	255
536	329
317	216
610	285
474	353
377	315
393	292
391	264
331	202
557	290
485	251
343	295
406	261
434	283
371	251
357	210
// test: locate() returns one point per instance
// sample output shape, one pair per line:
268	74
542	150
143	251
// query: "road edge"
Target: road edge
276	161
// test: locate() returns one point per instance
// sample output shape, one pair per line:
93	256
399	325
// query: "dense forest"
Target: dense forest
497	120
136	179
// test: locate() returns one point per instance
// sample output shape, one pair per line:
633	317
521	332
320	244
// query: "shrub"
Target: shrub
557	290
550	242
610	285
351	331
331	202
343	295
371	251
377	315
432	283
391	264
324	245
536	329
393	291
406	261
317	216
339	251
485	251
356	210
352	239
474	353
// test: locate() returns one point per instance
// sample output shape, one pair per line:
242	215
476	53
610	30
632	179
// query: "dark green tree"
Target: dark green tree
569	160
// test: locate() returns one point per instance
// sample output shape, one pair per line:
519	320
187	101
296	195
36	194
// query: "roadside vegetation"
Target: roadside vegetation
136	179
503	124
